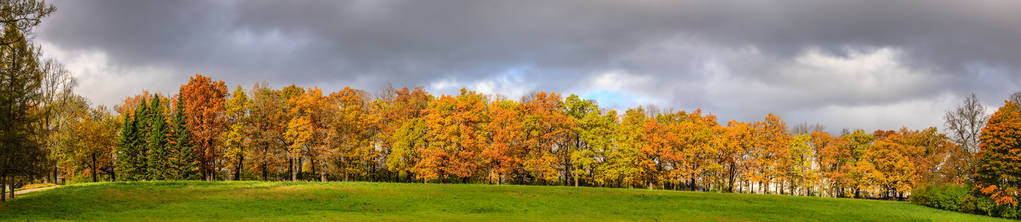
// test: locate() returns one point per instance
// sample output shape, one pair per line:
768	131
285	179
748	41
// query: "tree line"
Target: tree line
410	135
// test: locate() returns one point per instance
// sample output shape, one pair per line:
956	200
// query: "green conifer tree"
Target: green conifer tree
184	161
126	143
135	168
157	156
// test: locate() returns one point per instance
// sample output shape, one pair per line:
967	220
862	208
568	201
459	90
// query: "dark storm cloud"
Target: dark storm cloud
790	57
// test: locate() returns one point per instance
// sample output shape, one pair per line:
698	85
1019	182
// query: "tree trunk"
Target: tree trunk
313	162
290	169
264	172
56	174
3	188
730	180
94	177
237	170
301	163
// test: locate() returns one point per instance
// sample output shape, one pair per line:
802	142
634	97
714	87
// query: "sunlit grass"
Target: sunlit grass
304	201
33	186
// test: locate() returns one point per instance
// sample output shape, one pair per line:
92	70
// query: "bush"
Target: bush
947	197
977	203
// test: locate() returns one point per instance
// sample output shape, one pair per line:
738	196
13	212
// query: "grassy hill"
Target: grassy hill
393	201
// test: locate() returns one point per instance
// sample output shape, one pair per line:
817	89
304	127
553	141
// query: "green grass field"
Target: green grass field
306	201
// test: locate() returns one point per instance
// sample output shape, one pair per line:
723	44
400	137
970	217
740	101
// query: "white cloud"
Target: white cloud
104	83
510	84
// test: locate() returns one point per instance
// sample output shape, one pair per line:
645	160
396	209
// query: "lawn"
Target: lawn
308	201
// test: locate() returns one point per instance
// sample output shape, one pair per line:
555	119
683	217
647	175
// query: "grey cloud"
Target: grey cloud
956	46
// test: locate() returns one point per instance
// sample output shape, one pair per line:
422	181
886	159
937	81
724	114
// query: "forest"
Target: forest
205	131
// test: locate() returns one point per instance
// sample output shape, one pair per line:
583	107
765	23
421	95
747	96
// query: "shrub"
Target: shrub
947	197
977	203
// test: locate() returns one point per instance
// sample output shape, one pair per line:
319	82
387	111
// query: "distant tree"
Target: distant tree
353	128
737	139
892	170
547	143
85	140
298	134
599	131
1016	97
235	140
266	131
184	159
964	124
395	109
158	160
131	152
407	141
998	171
456	134
503	157
203	106
57	89
576	110
773	140
856	168
800	167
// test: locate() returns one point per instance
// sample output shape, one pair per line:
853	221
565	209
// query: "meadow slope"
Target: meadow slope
271	201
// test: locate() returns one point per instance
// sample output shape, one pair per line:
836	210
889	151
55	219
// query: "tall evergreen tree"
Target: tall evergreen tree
184	159
157	158
21	153
133	156
126	143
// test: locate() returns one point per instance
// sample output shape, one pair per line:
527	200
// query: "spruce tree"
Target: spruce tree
136	156
156	143
184	161
126	143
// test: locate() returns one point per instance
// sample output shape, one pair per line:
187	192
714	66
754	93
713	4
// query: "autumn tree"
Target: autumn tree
772	142
577	109
266	131
856	168
86	140
234	139
799	164
298	130
203	106
626	165
737	139
998	171
56	91
503	157
353	129
407	141
456	134
547	130
830	161
598	131
394	109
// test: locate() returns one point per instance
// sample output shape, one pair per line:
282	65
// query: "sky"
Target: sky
843	64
